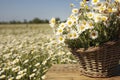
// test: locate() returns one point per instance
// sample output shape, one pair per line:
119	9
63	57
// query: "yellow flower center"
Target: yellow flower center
84	22
69	22
62	26
90	24
75	11
70	35
101	8
82	27
109	9
52	21
90	15
60	30
95	1
60	38
74	34
104	18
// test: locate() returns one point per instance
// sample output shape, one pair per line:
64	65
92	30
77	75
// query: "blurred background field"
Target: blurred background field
27	45
27	51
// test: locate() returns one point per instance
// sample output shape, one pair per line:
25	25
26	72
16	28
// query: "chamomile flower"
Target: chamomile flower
16	69
90	15
62	25
117	1
70	36
82	4
52	22
104	18
20	72
90	25
52	25
19	76
110	10
81	28
44	62
94	34
59	31
75	35
70	23
2	76
94	2
34	70
61	39
37	64
43	77
11	78
84	22
102	8
114	9
75	11
97	18
74	18
32	75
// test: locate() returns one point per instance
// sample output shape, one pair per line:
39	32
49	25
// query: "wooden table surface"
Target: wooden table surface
71	72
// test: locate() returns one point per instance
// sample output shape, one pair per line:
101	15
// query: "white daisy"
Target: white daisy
59	31
97	17
74	18
75	11
62	25
52	22
90	25
104	18
110	10
94	34
70	23
32	75
37	64
52	25
81	28
102	8
82	4
114	9
84	22
61	39
2	77
11	78
70	36
90	15
75	35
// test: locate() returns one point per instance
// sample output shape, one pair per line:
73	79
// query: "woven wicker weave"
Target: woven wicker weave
99	61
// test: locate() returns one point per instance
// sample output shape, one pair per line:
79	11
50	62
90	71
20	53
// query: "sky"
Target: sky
29	9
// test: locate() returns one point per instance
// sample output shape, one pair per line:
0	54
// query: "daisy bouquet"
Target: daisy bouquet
92	24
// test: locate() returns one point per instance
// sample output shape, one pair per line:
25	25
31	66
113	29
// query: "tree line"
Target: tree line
33	21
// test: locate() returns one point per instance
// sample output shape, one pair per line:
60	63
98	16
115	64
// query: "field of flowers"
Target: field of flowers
28	51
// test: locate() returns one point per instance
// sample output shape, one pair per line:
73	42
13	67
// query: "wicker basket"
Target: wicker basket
99	61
